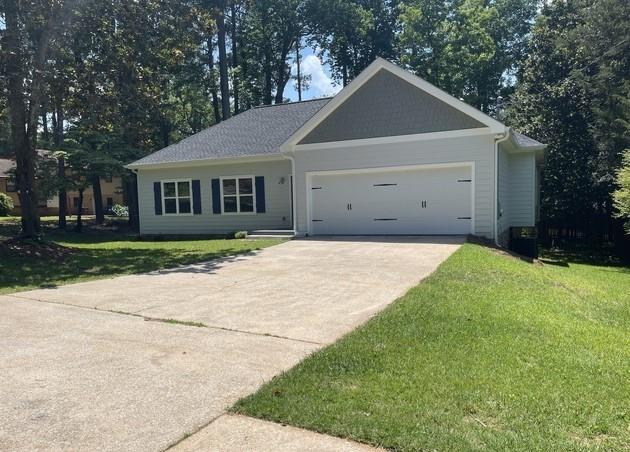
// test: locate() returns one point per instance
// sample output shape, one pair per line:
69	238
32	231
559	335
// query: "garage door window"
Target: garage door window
176	197
238	194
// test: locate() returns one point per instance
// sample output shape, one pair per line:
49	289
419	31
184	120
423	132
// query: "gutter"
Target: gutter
293	192
500	138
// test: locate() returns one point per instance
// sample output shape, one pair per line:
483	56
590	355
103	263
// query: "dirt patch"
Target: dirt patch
32	248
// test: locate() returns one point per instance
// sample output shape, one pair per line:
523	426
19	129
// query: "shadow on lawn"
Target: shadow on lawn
20	271
603	256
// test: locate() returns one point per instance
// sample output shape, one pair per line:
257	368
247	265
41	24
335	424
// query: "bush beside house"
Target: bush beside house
6	205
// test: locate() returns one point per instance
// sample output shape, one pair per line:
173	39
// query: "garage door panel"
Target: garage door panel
425	201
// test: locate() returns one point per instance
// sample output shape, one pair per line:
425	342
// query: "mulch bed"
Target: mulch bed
16	247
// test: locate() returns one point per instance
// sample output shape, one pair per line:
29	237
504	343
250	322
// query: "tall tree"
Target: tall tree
29	29
573	94
470	48
350	34
223	58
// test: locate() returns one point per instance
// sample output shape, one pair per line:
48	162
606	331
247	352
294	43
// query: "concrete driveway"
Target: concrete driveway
91	366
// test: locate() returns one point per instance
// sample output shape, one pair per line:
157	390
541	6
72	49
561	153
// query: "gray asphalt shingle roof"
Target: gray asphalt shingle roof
6	165
523	141
258	131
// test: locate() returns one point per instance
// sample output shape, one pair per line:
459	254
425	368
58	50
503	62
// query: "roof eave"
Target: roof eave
134	166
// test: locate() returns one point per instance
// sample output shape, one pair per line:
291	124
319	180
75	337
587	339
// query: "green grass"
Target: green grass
106	254
489	353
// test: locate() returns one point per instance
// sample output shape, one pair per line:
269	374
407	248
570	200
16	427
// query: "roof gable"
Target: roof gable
378	65
387	105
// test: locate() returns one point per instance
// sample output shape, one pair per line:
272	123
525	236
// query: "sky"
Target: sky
321	84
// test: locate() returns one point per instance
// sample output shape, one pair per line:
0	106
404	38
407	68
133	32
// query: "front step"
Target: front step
271	234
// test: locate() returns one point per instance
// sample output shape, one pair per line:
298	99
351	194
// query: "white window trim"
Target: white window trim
176	181
238	201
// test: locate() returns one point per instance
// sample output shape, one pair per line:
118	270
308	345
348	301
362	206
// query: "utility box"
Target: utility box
524	240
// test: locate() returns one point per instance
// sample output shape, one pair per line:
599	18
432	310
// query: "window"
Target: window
108	178
11	187
110	202
238	194
176	197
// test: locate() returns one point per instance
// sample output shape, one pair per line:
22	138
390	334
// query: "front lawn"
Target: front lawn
106	254
490	352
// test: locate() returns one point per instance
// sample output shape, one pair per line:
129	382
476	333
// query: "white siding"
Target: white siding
517	191
522	169
277	199
478	149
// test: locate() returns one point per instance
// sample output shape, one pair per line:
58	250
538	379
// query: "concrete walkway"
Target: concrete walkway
112	378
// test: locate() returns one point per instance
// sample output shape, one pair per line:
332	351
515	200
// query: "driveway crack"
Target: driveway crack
168	320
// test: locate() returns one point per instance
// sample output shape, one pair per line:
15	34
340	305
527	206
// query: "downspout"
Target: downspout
499	138
293	193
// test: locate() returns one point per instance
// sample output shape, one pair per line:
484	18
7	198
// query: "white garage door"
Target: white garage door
418	201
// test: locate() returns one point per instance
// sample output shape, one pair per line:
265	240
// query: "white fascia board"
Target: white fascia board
378	64
207	162
395	139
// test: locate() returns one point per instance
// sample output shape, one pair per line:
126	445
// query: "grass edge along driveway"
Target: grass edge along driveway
105	255
489	352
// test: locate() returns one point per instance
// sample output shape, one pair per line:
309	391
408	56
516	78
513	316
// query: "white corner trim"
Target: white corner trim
395	139
495	221
378	64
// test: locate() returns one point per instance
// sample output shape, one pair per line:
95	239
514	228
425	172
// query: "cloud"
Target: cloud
321	84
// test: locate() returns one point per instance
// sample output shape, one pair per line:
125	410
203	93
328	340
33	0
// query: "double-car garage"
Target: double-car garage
410	200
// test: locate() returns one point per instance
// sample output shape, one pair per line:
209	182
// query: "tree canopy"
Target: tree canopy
123	79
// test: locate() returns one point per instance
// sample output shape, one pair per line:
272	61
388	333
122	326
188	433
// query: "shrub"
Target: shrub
621	196
6	205
120	211
240	235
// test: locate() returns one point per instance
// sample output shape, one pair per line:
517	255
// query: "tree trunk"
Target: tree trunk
234	58
45	132
298	74
223	63
61	164
267	97
213	82
22	138
131	185
98	199
283	78
79	226
61	172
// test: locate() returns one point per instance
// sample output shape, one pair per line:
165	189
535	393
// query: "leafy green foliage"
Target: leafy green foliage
350	34
6	205
573	94
470	48
621	196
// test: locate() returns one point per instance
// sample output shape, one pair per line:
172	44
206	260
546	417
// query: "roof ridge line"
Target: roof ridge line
292	103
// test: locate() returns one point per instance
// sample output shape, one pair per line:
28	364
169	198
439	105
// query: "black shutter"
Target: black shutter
196	197
260	194
216	196
157	197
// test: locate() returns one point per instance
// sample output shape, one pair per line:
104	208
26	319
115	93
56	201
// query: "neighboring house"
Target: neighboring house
389	154
111	189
